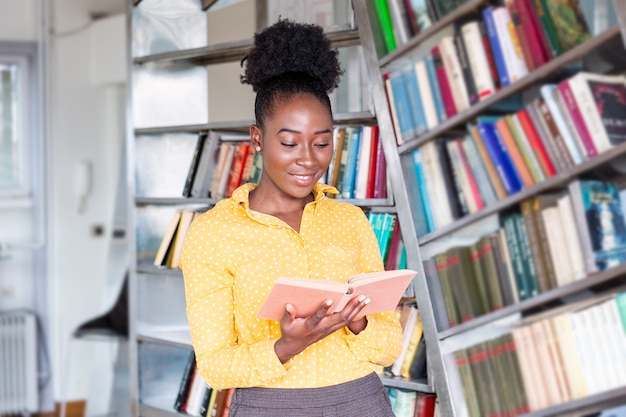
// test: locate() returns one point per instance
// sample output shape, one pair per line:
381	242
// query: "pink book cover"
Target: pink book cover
444	84
570	103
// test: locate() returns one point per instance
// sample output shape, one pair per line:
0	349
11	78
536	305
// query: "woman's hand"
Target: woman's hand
299	333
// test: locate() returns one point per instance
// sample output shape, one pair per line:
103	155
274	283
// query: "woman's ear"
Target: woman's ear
255	137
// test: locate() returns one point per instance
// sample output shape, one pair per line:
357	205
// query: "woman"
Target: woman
286	226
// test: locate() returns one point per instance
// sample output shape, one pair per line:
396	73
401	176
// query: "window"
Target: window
14	135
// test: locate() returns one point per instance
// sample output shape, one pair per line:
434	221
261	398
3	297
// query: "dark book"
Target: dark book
466	70
610	99
467	383
536	248
529	269
433	280
185	381
507	289
539	203
457	205
507	222
446	288
489	268
193	166
418	367
463	283
600	218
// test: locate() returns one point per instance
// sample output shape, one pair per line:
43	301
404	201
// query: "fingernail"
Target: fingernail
361	298
288	307
329	302
368	301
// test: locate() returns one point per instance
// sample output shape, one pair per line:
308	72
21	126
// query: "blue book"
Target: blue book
349	178
550	95
415	98
423	194
496	49
403	105
434	86
499	154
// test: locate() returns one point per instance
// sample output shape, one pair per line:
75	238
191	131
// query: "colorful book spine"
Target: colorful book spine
434	88
386	24
415	98
444	84
498	154
571	106
496	48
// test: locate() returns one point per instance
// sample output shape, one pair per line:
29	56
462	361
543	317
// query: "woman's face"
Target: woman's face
297	146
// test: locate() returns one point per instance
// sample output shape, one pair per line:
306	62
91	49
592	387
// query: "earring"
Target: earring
258	149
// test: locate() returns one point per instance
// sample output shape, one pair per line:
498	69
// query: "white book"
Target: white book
615	331
472	38
608	344
515	64
566	213
428	102
453	70
549	92
557	245
439	203
585	101
363	162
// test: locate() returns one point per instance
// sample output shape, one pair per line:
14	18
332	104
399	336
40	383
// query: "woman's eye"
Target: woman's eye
322	145
288	145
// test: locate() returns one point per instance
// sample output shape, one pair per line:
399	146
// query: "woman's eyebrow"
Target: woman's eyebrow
319	132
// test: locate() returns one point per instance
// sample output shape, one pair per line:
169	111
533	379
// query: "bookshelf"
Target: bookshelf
443	341
159	331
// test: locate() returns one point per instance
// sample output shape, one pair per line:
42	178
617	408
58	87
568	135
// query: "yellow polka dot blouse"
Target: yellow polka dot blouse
230	260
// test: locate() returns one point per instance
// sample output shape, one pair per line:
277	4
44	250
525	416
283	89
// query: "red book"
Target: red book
577	118
538	27
533	33
394	247
537	145
380	179
469	174
371	177
521	32
425	405
492	63
444	84
236	169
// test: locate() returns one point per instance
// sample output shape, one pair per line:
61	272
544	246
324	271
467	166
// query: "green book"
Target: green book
569	22
467	382
490	273
620	299
529	269
386	25
548	27
446	289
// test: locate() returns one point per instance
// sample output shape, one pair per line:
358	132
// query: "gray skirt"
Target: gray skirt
364	397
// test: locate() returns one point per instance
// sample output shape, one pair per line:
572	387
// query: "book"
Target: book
167	239
385	288
478	60
496	46
549	93
443	82
202	174
193	166
185	381
386	24
464	63
454	73
575	115
551	131
513	57
568	21
600	221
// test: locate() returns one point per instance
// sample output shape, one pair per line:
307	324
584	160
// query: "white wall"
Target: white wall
86	125
85	89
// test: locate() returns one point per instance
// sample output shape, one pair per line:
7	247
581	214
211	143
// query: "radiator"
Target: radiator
18	363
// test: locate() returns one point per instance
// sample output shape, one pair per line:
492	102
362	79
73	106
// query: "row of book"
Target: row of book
552	240
222	162
386	228
397	21
171	246
567	353
482	54
196	398
411	363
358	169
408	403
573	121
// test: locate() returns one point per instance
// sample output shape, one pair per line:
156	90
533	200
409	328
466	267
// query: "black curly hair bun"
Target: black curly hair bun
291	47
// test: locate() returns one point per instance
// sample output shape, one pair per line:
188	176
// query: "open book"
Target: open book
384	288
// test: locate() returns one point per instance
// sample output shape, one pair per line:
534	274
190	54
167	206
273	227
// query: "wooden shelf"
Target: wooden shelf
531	78
174	201
243	126
538	301
584	406
467	8
178	338
406	383
340	36
558	181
